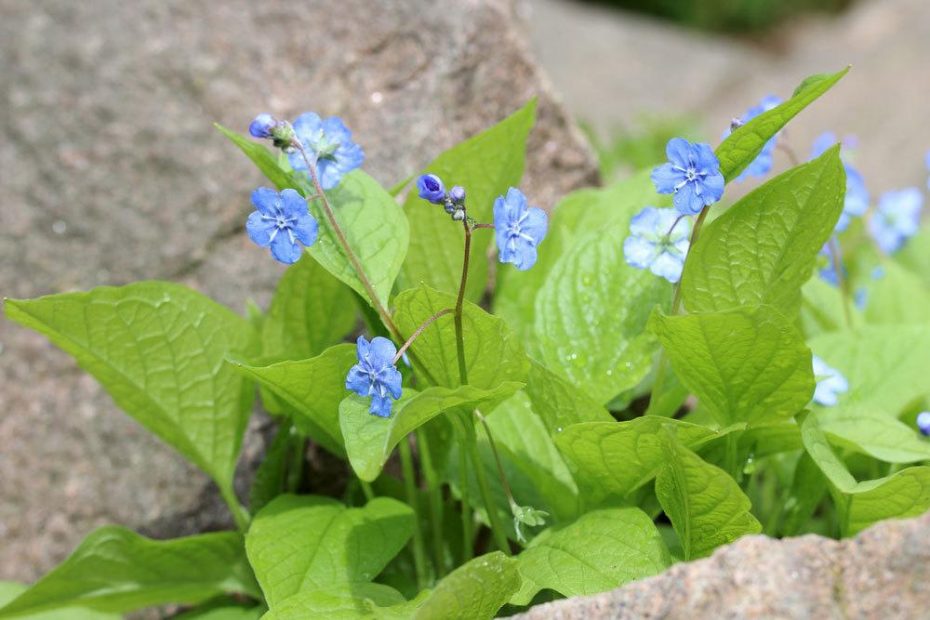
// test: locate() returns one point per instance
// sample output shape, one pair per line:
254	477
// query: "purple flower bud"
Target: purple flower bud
430	188
457	194
923	422
262	125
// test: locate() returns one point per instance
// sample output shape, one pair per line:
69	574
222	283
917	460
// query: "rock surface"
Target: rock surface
882	574
112	172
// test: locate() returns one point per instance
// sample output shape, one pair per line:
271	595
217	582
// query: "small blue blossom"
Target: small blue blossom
923	423
762	164
896	219
329	143
658	241
519	229
692	174
857	195
830	383
262	125
375	374
431	189
282	222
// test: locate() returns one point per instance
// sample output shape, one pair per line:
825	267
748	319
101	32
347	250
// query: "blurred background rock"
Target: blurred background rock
110	170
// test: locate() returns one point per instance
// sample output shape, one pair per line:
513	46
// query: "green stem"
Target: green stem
841	279
419	556
434	493
459	304
468	519
497	459
239	513
367	490
732	455
497	528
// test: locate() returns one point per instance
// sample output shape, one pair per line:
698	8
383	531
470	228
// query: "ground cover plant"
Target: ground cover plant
528	405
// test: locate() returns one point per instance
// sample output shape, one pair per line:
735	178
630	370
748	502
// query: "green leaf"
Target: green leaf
307	543
705	505
873	433
591	310
264	159
375	228
601	550
370	439
559	403
10	590
742	147
273	472
313	389
616	458
228	612
159	349
763	249
493	353
474	591
575	216
116	570
905	493
310	311
886	366
898	296
485	165
808	488
748	365
362	600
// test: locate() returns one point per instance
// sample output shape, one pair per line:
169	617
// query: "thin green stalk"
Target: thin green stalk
459	303
468	519
239	513
837	259
497	459
410	485
434	493
367	490
497	528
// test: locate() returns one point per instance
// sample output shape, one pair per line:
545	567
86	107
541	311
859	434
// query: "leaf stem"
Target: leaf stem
419	330
434	494
497	459
419	555
459	303
239	513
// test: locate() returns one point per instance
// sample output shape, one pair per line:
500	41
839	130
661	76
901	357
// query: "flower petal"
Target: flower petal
382	352
536	224
666	178
668	267
307	127
259	229
306	229
284	250
639	252
266	200
358	380
380	406
679	152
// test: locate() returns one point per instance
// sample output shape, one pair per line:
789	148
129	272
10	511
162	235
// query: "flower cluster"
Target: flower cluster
762	164
692	175
830	383
856	202
376	374
896	219
431	188
658	241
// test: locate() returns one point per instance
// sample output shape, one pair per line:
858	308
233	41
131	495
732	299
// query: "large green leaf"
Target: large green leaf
356	602
886	365
485	165
873	433
375	228
599	551
218	611
474	591
763	249
706	506
743	146
493	353
370	439
592	309
558	402
307	543
263	159
905	493
159	349
616	458
898	296
313	389
575	216
116	570
310	311
748	365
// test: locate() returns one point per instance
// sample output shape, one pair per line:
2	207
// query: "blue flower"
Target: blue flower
692	174
329	143
375	374
430	188
923	422
281	221
762	164
658	241
857	195
896	219
830	383
519	229
262	125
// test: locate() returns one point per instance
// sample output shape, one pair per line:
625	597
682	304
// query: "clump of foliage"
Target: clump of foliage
637	388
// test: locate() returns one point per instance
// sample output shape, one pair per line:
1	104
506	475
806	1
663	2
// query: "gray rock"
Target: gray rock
112	172
882	574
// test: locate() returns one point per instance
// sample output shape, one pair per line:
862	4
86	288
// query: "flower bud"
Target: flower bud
430	188
262	126
923	422
458	215
457	194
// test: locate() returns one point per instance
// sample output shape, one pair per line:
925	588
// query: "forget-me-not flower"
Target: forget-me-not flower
923	422
431	188
856	202
830	383
519	229
762	164
375	374
896	219
282	222
658	241
692	174
329	143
